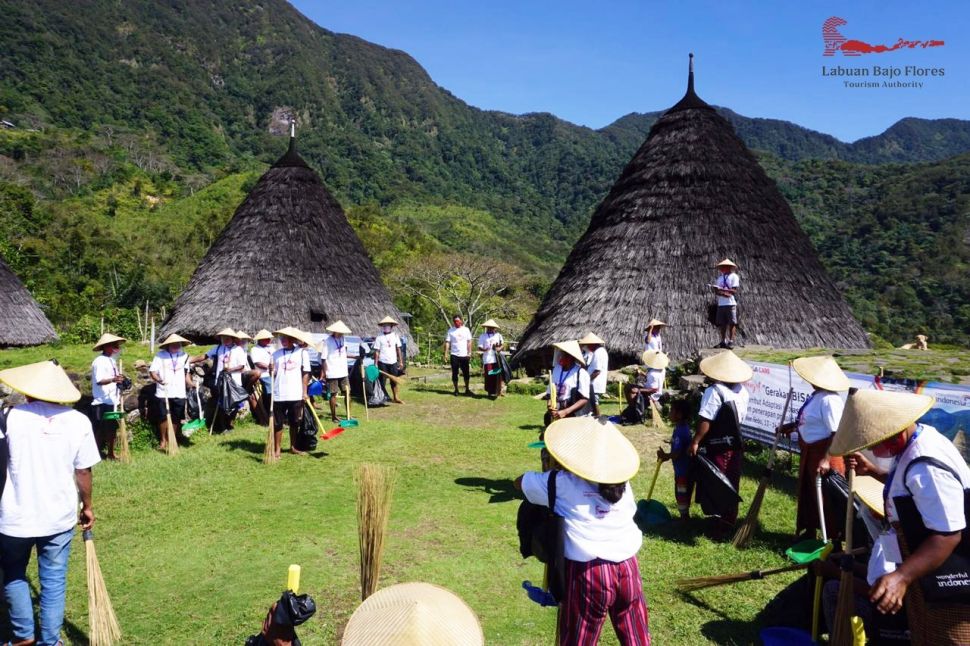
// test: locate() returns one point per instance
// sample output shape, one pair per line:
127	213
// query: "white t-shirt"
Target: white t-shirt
458	338
387	345
727	281
718	394
655	380
487	342
171	368
225	357
259	354
653	342
289	366
47	443
563	382
819	417
599	360
334	352
104	367
594	528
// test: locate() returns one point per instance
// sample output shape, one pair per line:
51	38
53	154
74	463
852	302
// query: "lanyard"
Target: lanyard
562	380
285	358
174	360
801	411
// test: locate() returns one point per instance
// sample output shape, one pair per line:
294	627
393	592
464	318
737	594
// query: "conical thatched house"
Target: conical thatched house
692	195
288	256
22	322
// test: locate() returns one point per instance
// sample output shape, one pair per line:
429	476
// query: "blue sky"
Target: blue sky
593	62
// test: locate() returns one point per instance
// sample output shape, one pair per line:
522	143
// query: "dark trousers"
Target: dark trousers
459	363
292	412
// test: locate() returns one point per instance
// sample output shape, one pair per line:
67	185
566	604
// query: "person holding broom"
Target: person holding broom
597	365
106	392
230	358
51	451
333	354
490	342
261	355
170	372
569	383
290	372
390	359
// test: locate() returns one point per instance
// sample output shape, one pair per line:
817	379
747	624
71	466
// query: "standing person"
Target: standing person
816	424
51	450
722	410
261	355
458	350
230	358
679	441
335	368
290	368
105	392
653	339
491	342
390	358
569	382
725	287
170	372
597	365
601	540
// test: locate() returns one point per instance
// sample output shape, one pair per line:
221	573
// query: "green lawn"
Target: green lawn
194	548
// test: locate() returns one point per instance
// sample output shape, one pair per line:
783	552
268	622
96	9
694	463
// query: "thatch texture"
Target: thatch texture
287	257
22	322
692	195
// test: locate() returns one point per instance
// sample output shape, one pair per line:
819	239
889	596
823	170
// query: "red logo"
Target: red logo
836	42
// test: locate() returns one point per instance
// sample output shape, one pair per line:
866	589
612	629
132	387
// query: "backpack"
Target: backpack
540	532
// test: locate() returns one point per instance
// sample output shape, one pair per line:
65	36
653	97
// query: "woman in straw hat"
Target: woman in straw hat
816	423
929	476
569	383
51	451
390	357
489	343
653	339
333	353
106	392
170	372
718	434
601	540
290	368
725	287
597	365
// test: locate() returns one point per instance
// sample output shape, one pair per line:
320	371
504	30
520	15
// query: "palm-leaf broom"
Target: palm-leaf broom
171	443
104	628
842	634
375	484
269	451
125	453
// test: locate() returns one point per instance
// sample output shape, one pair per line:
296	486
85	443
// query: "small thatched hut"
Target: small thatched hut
22	322
288	256
692	195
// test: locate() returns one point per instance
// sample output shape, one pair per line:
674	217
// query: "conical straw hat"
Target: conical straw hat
174	338
655	359
339	328
869	491
242	335
654	323
727	262
294	333
593	449
413	614
227	331
387	320
872	416
591	339
727	367
572	349
822	372
106	339
490	323
44	380
263	334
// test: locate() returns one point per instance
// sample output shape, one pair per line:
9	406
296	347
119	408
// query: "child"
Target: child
680	416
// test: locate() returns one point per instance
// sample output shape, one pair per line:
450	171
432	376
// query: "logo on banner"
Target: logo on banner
834	41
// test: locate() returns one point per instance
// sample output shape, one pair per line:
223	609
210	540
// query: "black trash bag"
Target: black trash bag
506	369
231	394
290	611
192	402
306	436
835	493
714	493
634	413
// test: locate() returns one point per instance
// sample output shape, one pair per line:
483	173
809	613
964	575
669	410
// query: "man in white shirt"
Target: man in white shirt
390	359
458	350
597	365
333	354
51	450
105	392
291	375
228	357
725	288
170	372
261	355
490	344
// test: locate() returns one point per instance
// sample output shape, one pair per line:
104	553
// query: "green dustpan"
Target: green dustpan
651	513
194	425
372	372
113	415
537	445
808	550
492	373
349	423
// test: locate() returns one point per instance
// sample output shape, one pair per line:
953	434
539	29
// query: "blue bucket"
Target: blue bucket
785	636
315	389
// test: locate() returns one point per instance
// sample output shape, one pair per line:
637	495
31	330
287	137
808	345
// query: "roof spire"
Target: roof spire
690	74
690	100
292	148
291	158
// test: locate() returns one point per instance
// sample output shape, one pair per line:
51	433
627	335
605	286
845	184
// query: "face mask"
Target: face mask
565	363
891	447
386	329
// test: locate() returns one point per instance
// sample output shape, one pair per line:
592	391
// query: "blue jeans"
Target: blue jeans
52	554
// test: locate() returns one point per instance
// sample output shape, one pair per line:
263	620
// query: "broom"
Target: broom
746	530
101	616
842	629
125	453
373	510
269	451
172	445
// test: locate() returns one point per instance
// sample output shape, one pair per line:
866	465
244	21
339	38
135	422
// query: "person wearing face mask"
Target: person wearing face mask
570	384
335	368
228	357
389	357
489	343
290	368
458	350
170	371
105	392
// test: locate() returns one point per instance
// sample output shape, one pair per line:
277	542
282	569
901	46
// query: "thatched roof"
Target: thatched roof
22	322
288	256
692	195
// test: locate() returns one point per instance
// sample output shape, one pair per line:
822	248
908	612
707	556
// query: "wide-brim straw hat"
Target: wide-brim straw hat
592	448
727	367
655	323
490	323
174	338
871	416
413	614
727	262
44	380
822	372
572	349
243	336
591	339
870	491
294	333
228	331
339	328
107	338
387	320
262	334
655	359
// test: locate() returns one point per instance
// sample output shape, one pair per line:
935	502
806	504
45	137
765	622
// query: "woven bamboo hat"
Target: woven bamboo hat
490	323
655	323
592	448
572	349
228	331
243	336
262	334
822	372
727	367
174	338
339	328
107	338
591	339
413	614
387	320
727	262
44	380
655	359
293	333
872	416
869	491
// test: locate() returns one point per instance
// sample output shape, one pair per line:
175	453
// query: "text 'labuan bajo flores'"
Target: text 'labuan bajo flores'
883	72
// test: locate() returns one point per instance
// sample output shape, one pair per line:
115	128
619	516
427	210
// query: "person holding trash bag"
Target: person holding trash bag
490	343
601	540
229	358
170	372
106	382
290	370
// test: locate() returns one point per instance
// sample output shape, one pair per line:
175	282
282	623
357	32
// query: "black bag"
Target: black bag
714	493
503	363
949	583
725	431
540	532
231	394
712	313
306	436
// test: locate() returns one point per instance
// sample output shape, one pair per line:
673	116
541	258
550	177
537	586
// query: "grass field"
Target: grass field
194	548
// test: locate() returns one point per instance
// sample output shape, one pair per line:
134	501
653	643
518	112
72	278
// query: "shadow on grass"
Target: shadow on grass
730	632
249	446
499	490
531	427
676	531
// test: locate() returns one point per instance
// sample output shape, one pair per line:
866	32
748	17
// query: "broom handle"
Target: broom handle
653	481
363	389
821	508
850	512
816	606
272	400
774	444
